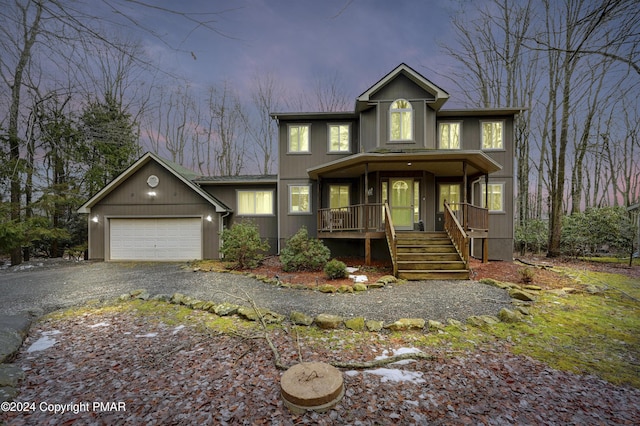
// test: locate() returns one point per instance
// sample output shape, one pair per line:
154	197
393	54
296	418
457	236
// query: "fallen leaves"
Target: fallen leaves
186	375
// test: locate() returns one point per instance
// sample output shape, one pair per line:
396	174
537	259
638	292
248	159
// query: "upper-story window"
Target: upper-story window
401	116
299	138
492	135
449	136
339	137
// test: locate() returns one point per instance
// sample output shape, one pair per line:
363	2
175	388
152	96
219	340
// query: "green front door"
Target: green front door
401	203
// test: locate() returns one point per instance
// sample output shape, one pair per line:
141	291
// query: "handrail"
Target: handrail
392	240
470	216
457	234
357	217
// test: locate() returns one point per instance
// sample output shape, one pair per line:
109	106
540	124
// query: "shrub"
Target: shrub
526	275
242	244
335	269
302	253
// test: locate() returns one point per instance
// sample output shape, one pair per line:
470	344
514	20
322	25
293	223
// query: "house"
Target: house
398	178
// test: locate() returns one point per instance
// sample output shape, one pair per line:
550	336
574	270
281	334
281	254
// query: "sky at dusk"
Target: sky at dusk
358	41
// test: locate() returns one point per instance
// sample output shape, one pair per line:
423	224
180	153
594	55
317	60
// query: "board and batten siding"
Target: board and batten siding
131	199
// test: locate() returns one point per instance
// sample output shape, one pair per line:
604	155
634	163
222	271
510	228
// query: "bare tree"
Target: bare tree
263	131
228	129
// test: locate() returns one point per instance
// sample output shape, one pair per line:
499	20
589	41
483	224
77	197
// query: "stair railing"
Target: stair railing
392	240
456	233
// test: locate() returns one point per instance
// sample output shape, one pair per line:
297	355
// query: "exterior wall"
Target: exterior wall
293	171
267	224
131	200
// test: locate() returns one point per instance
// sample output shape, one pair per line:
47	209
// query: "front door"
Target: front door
401	203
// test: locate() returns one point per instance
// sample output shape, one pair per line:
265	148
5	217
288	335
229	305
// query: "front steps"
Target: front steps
428	256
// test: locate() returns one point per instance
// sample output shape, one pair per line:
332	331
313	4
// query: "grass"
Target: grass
609	259
585	333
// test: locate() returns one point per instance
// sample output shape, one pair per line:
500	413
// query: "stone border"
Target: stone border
325	288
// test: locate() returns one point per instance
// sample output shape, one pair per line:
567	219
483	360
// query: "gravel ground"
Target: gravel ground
47	286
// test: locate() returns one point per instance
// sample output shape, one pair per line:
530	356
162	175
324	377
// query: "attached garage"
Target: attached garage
154	211
156	239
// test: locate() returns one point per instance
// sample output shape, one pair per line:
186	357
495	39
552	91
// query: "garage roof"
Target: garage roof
185	175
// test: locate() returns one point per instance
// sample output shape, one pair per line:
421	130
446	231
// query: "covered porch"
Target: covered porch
401	189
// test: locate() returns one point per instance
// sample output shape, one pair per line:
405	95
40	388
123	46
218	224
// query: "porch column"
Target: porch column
367	239
485	241
319	206
464	196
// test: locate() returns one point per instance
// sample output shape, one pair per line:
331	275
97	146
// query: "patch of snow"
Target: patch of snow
100	324
351	269
394	375
178	328
351	373
359	278
400	351
45	342
147	335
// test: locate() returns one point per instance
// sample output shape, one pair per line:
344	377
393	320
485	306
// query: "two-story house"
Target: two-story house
397	178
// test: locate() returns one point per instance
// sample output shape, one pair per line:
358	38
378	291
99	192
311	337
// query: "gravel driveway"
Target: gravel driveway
53	285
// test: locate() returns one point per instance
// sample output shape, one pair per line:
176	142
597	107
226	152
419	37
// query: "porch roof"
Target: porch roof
440	163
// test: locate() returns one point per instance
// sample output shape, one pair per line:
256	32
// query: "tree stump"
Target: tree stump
315	386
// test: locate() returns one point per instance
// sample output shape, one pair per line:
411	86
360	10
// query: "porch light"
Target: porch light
152	193
409	163
95	219
209	218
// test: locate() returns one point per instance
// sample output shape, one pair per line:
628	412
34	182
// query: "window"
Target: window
492	135
401	120
299	199
255	203
496	197
451	193
449	136
339	138
338	196
299	138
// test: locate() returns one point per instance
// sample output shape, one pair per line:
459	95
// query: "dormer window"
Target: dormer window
401	117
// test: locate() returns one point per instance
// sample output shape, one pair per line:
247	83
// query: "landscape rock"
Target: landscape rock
521	295
377	284
374	325
404	324
532	287
507	315
457	324
13	329
328	321
481	321
387	279
252	314
360	287
355	324
345	289
178	298
327	288
8	393
299	318
434	325
225	309
523	310
10	375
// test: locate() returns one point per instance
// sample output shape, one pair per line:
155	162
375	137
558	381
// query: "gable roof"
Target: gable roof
440	94
185	175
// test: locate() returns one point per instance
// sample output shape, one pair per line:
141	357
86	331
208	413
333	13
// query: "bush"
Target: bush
242	244
335	269
302	253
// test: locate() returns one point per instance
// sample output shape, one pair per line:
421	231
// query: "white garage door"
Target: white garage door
156	239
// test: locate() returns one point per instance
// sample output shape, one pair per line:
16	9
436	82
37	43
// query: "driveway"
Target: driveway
56	285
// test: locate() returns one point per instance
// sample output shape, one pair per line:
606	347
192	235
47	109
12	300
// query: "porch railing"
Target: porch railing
470	216
390	232
356	218
457	233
